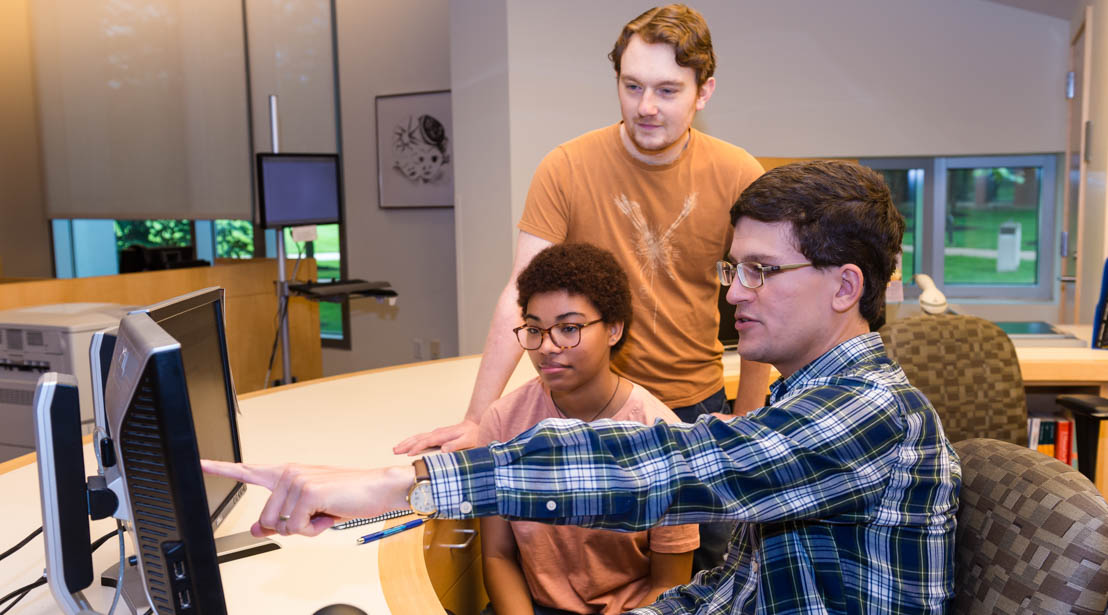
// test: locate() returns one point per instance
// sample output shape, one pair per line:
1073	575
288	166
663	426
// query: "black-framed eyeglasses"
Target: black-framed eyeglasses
564	335
751	275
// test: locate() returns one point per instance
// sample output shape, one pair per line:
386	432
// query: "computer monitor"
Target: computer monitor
299	189
196	322
150	412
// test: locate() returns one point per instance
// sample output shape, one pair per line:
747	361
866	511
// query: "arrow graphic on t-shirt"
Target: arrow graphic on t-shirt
655	251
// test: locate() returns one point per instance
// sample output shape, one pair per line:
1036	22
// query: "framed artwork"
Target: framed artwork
414	159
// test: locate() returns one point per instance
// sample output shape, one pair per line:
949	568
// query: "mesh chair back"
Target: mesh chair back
968	368
1032	535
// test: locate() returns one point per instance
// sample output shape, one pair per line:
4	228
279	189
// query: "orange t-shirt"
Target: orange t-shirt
574	568
667	226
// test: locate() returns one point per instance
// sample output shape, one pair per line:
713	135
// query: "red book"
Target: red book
1062	439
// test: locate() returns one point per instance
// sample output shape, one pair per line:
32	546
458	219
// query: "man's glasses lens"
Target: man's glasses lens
726	272
748	274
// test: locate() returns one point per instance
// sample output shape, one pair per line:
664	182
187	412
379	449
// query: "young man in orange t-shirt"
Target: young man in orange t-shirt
657	193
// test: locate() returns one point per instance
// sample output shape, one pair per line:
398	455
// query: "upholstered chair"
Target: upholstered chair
1032	535
968	368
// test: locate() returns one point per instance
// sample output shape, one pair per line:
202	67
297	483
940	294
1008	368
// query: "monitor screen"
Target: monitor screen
196	322
296	189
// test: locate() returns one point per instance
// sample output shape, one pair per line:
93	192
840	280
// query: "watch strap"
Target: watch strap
421	472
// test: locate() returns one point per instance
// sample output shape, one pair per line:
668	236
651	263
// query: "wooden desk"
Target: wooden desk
251	309
348	420
354	420
1040	366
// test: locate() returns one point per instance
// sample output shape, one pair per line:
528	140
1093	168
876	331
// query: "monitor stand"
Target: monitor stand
228	549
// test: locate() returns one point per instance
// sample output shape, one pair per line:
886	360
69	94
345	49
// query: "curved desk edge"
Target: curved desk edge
403	573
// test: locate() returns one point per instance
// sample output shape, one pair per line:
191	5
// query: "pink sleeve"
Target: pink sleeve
489	430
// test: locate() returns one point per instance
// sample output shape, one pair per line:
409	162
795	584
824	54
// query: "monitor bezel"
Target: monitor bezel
164	310
265	221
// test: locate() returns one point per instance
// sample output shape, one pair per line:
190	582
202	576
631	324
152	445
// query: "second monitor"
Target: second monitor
299	189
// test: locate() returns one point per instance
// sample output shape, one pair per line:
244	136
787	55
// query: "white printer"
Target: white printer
39	339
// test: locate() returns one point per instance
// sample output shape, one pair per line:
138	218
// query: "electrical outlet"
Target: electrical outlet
417	348
436	349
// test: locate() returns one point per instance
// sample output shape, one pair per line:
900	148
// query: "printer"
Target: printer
39	339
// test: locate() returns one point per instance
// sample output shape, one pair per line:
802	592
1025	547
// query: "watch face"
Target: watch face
420	498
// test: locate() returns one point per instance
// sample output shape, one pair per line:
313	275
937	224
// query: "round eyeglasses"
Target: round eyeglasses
751	275
564	335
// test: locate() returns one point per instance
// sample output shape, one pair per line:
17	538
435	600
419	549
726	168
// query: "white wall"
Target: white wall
482	151
390	48
795	78
1093	245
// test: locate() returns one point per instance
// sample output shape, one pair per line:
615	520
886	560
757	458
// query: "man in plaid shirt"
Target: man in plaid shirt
845	486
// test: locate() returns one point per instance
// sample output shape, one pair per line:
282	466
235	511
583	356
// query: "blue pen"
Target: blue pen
396	529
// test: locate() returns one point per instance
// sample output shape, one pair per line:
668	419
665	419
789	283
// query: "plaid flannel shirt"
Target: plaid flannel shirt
845	485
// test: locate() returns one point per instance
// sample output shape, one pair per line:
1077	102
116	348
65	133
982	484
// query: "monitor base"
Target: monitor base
228	549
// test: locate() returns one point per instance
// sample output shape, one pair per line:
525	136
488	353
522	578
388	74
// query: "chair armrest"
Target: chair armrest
1088	406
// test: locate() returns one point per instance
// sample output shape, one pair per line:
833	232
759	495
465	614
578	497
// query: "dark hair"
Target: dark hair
580	269
679	26
841	213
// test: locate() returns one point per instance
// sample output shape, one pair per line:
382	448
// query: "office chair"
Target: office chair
1032	535
968	368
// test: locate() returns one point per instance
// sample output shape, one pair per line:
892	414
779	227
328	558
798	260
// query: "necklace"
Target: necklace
619	381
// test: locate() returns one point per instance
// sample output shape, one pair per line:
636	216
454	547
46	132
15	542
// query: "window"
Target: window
333	317
329	266
981	227
85	248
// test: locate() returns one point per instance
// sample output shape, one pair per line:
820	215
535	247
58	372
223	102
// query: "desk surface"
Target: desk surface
350	420
1039	365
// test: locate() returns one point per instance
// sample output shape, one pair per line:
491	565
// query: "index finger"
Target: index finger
261	475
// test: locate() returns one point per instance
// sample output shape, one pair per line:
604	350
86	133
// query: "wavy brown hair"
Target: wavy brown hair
676	25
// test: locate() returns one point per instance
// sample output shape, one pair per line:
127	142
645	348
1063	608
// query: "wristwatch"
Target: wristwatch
419	494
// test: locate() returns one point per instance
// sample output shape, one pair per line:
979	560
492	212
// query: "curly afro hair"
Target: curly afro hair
580	269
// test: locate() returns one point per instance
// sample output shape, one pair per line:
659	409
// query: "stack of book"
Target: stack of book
1053	436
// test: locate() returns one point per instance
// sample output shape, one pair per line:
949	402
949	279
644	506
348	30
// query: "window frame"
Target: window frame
931	223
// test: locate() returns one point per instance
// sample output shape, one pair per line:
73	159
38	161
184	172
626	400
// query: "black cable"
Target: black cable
22	543
22	591
99	542
15	602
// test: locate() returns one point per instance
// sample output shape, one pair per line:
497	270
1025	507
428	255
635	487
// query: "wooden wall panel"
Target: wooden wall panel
251	309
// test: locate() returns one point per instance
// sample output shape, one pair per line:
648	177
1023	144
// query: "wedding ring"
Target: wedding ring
283	517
